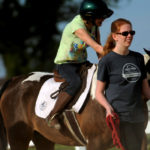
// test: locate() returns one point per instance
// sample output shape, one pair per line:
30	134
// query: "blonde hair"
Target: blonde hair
115	27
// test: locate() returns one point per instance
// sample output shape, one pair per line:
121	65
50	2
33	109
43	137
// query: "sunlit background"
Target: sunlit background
137	11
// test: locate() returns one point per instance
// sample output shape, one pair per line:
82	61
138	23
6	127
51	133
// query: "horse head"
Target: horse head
147	63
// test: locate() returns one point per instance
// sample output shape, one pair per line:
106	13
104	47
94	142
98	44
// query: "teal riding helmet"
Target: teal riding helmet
94	9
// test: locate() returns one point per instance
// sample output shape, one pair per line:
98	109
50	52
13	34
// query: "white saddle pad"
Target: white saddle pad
45	104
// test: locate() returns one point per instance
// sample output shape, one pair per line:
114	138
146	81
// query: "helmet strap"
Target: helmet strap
89	21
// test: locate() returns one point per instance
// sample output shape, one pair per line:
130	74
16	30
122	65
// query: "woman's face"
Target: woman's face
99	21
125	36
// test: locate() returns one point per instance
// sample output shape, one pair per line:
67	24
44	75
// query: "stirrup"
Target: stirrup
53	122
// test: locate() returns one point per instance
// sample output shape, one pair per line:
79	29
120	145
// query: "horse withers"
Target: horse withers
19	124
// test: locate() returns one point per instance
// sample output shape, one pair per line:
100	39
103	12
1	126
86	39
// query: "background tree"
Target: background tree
29	33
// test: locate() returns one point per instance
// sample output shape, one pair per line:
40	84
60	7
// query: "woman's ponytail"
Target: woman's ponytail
109	45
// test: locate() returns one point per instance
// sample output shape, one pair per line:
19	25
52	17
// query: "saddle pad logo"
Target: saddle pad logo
131	72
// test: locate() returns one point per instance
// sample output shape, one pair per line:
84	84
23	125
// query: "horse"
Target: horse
19	124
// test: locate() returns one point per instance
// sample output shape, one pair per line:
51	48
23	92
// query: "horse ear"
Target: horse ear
147	51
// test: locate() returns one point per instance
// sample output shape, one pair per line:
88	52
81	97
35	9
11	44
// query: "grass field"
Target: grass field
61	147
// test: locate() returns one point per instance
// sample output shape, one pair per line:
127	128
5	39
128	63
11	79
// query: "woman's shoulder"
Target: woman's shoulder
109	55
76	23
107	58
137	54
77	18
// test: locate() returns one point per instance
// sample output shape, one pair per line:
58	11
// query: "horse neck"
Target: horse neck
94	105
94	82
95	112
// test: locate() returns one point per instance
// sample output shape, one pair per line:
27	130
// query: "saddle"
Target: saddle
57	77
83	74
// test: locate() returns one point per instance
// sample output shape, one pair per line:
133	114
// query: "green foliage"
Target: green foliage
29	34
61	147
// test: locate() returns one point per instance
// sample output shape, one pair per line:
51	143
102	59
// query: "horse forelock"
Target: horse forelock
36	76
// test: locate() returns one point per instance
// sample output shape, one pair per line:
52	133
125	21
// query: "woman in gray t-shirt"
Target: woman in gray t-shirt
122	75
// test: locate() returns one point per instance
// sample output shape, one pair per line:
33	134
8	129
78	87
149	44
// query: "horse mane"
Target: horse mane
4	86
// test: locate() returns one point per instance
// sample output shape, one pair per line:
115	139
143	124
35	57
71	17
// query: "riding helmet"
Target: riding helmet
94	9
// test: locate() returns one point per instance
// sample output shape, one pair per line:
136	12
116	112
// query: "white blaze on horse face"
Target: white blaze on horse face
36	76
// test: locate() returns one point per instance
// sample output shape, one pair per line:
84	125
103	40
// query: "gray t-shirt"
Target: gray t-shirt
123	76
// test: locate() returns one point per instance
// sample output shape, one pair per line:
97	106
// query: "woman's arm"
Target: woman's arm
146	88
101	98
83	35
98	40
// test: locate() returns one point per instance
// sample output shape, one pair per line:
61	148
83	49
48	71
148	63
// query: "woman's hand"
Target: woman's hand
102	99
110	111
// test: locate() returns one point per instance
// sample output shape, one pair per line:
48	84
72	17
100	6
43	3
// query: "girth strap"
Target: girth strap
73	126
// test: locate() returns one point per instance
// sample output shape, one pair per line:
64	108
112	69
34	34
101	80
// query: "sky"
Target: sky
138	12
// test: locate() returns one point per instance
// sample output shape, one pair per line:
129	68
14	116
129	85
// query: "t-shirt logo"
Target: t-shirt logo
131	72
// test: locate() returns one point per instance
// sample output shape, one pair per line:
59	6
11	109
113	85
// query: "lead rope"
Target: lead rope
113	124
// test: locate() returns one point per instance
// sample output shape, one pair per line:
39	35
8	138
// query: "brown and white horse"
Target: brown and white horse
19	124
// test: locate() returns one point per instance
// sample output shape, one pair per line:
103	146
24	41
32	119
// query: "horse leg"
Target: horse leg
41	143
19	136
